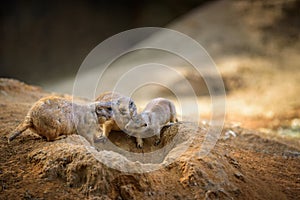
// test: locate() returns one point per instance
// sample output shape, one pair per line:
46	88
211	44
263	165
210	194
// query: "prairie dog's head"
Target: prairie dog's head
139	124
125	106
103	110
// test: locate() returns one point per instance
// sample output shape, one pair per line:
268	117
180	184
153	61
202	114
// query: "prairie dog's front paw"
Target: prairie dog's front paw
139	143
101	139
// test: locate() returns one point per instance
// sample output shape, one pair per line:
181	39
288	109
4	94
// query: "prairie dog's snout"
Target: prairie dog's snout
139	123
124	106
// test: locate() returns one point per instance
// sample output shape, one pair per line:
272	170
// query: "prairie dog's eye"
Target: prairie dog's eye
144	125
130	104
109	109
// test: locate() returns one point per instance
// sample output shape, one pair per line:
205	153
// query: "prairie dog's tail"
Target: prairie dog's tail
21	128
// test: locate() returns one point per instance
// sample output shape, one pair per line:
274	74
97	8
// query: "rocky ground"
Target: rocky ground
244	164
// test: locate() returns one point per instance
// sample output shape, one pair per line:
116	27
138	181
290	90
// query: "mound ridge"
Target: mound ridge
243	166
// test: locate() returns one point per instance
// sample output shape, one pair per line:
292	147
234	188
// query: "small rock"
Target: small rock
127	192
4	93
27	195
232	161
237	192
229	134
239	176
291	154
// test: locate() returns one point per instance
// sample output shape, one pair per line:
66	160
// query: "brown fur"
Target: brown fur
123	108
53	116
157	113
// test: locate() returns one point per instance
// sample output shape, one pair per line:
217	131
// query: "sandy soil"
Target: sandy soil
248	166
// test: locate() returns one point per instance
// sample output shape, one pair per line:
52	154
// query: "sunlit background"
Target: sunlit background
255	45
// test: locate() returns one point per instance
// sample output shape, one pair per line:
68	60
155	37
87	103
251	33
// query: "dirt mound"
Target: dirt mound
242	165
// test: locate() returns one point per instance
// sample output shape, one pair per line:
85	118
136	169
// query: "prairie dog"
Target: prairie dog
122	108
157	113
53	116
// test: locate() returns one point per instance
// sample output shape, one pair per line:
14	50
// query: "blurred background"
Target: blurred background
47	40
255	45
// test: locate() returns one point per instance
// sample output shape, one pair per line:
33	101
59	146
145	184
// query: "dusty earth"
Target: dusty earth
244	164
